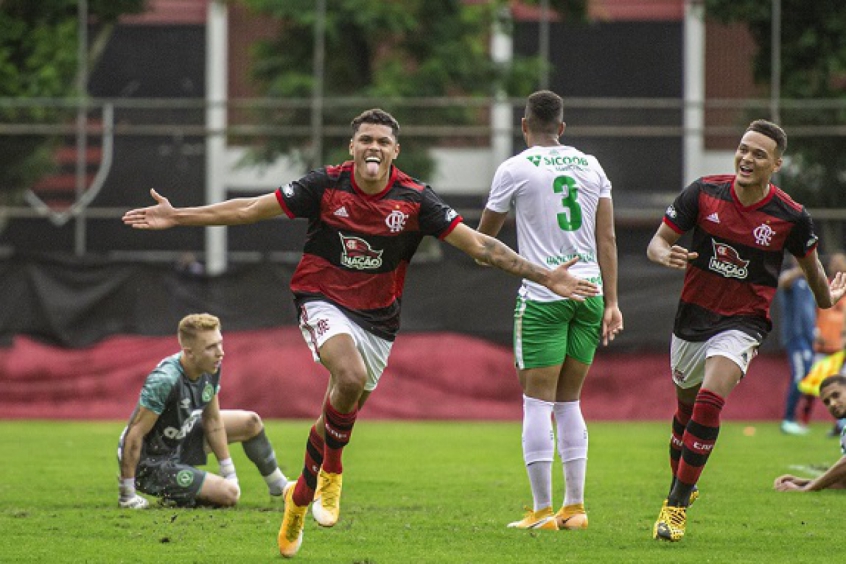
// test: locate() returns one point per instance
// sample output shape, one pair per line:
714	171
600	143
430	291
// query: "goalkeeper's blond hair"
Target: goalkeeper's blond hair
194	323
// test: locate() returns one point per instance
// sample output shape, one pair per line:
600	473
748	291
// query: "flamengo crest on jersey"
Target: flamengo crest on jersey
396	221
763	234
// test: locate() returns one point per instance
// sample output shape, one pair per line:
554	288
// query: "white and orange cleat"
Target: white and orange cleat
572	517
293	520
327	499
542	519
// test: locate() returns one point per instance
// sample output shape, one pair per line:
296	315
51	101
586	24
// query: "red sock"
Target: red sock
807	408
680	419
307	482
699	437
338	428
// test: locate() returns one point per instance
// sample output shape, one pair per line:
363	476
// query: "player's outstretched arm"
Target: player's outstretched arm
237	211
491	251
833	478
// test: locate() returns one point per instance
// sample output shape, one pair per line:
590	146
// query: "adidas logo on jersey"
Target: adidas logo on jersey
341	212
713	218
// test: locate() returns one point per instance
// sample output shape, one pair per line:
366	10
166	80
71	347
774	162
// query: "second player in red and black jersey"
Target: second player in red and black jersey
741	225
358	246
732	282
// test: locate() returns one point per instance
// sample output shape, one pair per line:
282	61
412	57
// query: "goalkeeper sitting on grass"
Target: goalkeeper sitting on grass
833	396
178	420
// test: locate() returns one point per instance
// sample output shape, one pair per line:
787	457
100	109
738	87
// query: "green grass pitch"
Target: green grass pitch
425	492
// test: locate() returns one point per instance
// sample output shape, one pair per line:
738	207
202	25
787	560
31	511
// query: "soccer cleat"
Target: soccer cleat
572	517
793	428
540	519
135	502
694	495
291	531
670	524
327	499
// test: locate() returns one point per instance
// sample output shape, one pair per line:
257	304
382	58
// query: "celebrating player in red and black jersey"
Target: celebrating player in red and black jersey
366	219
741	224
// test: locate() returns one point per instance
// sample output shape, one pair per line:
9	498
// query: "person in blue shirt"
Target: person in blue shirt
797	331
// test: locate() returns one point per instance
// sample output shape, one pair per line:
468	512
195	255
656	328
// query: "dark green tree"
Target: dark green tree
813	67
38	59
389	50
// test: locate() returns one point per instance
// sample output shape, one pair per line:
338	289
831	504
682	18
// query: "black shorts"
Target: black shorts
173	477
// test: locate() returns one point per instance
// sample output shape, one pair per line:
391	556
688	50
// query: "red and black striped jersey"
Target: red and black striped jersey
732	282
358	246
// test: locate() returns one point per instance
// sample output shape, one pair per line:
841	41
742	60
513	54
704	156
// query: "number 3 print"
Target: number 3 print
571	218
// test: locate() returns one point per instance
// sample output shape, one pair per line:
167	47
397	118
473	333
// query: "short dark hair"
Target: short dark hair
838	379
376	116
771	130
544	112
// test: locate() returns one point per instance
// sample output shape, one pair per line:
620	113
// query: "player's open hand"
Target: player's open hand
160	216
566	285
837	287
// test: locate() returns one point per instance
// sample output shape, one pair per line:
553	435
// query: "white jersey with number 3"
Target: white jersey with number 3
555	192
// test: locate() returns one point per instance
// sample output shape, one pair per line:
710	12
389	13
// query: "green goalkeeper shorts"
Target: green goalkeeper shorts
545	333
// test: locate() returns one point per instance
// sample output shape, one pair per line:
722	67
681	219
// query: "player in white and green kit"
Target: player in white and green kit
562	202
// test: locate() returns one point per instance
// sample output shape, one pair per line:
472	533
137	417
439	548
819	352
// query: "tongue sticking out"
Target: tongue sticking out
372	168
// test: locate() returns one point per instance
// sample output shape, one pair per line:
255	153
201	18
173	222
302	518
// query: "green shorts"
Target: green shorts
545	333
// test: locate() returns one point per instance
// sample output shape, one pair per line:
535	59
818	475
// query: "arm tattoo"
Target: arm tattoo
498	254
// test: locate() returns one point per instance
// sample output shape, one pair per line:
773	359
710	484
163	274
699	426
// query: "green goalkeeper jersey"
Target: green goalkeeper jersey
178	401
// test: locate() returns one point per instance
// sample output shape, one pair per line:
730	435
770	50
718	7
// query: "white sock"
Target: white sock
538	449
572	447
276	482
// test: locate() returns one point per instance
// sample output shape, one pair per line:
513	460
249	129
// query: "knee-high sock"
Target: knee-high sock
307	482
338	429
260	453
573	448
699	439
538	449
680	420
